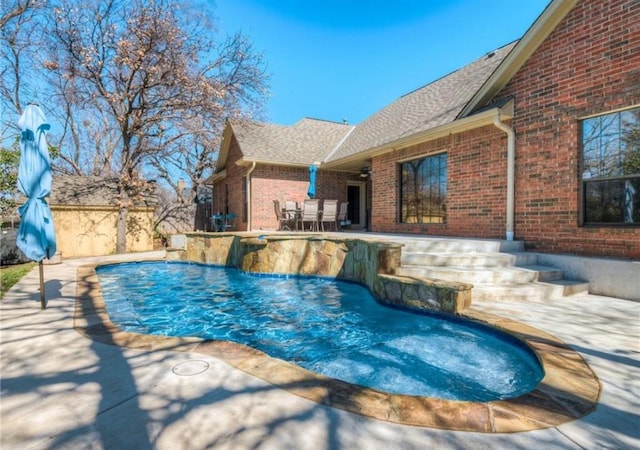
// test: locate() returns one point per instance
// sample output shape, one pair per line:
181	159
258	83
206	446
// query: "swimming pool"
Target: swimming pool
330	327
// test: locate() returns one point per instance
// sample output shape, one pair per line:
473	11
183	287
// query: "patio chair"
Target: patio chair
341	218
217	222
329	213
230	222
283	219
310	209
292	212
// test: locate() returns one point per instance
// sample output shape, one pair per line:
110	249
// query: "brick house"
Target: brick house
537	141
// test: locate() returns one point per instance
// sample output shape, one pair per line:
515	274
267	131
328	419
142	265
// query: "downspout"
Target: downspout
253	167
511	162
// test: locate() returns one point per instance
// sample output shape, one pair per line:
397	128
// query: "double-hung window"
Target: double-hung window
611	168
423	190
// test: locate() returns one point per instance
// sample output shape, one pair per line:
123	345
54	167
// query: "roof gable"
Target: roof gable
433	105
451	102
303	143
550	18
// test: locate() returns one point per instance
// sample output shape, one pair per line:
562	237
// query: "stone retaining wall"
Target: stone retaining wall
370	262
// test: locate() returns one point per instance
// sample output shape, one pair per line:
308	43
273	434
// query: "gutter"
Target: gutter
511	159
468	123
253	167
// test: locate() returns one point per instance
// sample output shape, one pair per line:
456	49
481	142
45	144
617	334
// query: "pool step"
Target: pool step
500	274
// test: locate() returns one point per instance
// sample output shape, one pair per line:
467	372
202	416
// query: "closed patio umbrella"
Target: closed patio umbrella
36	235
311	192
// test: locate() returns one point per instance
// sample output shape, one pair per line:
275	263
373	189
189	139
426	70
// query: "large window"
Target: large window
423	190
611	168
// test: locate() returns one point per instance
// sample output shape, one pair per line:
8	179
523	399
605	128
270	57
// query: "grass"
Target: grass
10	275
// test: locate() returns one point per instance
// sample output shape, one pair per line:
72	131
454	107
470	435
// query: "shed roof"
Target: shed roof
90	191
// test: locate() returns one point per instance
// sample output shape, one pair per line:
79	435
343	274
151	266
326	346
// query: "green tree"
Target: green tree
9	160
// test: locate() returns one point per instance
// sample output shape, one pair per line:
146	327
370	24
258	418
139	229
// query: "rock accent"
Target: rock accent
370	262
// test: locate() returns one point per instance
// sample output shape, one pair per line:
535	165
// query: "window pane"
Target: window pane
423	190
631	150
613	201
611	167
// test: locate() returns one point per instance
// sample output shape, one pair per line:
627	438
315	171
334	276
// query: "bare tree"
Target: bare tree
19	39
143	92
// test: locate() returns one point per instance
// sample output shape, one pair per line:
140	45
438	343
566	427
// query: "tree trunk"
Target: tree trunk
121	237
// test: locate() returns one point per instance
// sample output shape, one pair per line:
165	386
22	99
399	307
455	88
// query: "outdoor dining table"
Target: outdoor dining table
217	220
295	214
221	222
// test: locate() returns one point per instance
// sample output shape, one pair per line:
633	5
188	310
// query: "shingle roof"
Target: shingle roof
305	142
90	191
433	105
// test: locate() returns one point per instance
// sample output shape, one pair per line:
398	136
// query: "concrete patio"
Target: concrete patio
62	390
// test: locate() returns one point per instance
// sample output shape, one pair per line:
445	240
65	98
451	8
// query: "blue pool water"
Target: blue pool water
331	327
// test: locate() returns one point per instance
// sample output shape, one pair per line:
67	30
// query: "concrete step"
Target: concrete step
544	273
455	245
466	259
497	269
551	290
473	275
524	258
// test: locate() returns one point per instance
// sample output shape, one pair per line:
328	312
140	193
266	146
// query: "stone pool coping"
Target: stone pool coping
568	391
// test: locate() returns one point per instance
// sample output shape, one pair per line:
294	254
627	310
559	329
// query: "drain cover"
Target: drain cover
190	367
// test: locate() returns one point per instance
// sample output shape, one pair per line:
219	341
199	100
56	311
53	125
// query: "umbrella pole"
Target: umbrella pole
42	302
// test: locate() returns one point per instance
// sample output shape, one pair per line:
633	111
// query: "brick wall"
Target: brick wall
271	182
590	64
476	203
233	182
281	183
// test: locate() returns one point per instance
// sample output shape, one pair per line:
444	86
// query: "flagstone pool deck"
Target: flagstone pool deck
60	389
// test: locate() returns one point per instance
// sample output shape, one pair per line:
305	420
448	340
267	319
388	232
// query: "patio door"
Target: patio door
357	210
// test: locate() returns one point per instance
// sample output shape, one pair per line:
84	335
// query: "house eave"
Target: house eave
216	177
477	120
227	137
248	161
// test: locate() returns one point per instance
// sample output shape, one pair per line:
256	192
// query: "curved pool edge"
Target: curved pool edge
568	391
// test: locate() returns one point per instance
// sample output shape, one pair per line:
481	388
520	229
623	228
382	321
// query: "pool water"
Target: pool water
331	327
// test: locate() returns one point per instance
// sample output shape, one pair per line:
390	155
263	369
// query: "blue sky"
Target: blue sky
347	59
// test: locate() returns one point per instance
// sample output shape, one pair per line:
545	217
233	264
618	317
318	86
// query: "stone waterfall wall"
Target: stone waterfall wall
370	262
